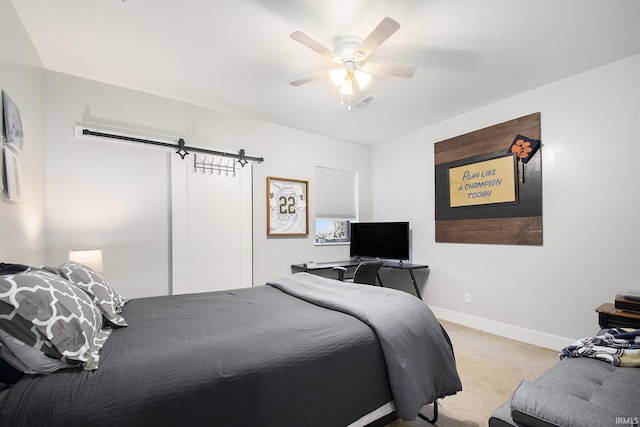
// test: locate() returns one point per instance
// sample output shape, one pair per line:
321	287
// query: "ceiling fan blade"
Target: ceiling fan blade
393	70
382	32
307	41
310	78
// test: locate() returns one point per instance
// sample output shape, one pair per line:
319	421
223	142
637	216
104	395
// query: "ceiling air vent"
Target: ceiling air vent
364	101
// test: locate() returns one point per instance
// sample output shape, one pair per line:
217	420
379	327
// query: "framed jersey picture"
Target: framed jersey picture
287	207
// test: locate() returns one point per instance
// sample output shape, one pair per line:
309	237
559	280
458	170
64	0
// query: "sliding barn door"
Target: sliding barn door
211	228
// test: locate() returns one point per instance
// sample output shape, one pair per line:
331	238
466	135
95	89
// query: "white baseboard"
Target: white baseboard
517	333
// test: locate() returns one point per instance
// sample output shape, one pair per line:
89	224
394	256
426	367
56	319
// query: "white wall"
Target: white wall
116	195
294	154
22	225
546	294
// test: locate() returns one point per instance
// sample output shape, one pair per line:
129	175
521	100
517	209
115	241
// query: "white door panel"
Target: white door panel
211	229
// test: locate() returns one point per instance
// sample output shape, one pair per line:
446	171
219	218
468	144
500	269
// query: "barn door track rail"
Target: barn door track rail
182	149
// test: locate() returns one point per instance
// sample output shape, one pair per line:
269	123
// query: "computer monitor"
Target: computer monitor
385	240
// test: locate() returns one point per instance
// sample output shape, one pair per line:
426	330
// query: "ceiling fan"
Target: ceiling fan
350	52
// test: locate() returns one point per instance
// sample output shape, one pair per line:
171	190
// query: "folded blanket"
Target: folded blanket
619	346
416	348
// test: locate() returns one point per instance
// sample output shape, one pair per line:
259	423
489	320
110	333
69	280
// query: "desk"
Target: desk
320	266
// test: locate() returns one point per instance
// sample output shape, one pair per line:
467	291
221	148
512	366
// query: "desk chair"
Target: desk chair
366	273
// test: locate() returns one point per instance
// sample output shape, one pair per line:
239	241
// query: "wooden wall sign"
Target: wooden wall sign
481	193
484	183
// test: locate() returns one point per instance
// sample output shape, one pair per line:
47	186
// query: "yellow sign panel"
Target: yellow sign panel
483	183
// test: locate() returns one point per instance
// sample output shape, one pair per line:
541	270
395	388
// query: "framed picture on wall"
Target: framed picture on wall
287	207
12	124
11	176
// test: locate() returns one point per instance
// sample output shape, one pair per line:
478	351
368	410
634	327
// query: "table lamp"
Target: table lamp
92	258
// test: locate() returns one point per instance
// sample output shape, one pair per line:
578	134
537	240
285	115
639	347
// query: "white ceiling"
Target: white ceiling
236	55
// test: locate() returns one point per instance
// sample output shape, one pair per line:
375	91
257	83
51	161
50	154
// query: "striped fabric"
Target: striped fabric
619	346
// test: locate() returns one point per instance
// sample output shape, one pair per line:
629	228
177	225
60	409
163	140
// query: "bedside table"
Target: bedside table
611	317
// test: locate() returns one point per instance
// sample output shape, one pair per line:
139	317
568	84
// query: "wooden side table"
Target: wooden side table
611	317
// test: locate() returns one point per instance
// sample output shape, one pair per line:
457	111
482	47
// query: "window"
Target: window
332	231
336	206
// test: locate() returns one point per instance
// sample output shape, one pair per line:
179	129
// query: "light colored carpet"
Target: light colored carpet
490	368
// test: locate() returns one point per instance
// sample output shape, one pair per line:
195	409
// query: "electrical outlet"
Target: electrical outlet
467	298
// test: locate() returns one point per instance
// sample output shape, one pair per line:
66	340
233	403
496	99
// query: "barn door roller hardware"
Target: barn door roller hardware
182	149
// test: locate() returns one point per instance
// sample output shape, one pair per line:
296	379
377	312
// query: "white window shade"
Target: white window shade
336	192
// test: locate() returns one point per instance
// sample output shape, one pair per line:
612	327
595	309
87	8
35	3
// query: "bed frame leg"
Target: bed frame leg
435	414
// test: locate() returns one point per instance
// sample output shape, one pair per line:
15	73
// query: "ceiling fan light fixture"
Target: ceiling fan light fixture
362	78
347	87
349	52
338	76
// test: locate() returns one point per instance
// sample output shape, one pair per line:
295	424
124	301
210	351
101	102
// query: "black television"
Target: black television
385	240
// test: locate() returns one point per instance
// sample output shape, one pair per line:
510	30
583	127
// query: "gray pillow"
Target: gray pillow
24	347
103	295
28	359
60	311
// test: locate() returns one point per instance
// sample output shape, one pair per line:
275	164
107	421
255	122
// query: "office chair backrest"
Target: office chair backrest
366	272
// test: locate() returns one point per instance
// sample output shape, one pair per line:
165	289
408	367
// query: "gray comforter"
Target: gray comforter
249	357
417	352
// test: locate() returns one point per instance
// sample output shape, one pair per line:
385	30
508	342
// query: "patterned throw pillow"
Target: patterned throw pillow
24	347
60	311
103	295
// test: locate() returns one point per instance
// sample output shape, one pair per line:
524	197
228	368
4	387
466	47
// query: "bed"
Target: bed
301	350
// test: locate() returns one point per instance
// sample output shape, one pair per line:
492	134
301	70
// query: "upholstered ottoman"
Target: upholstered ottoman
576	392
